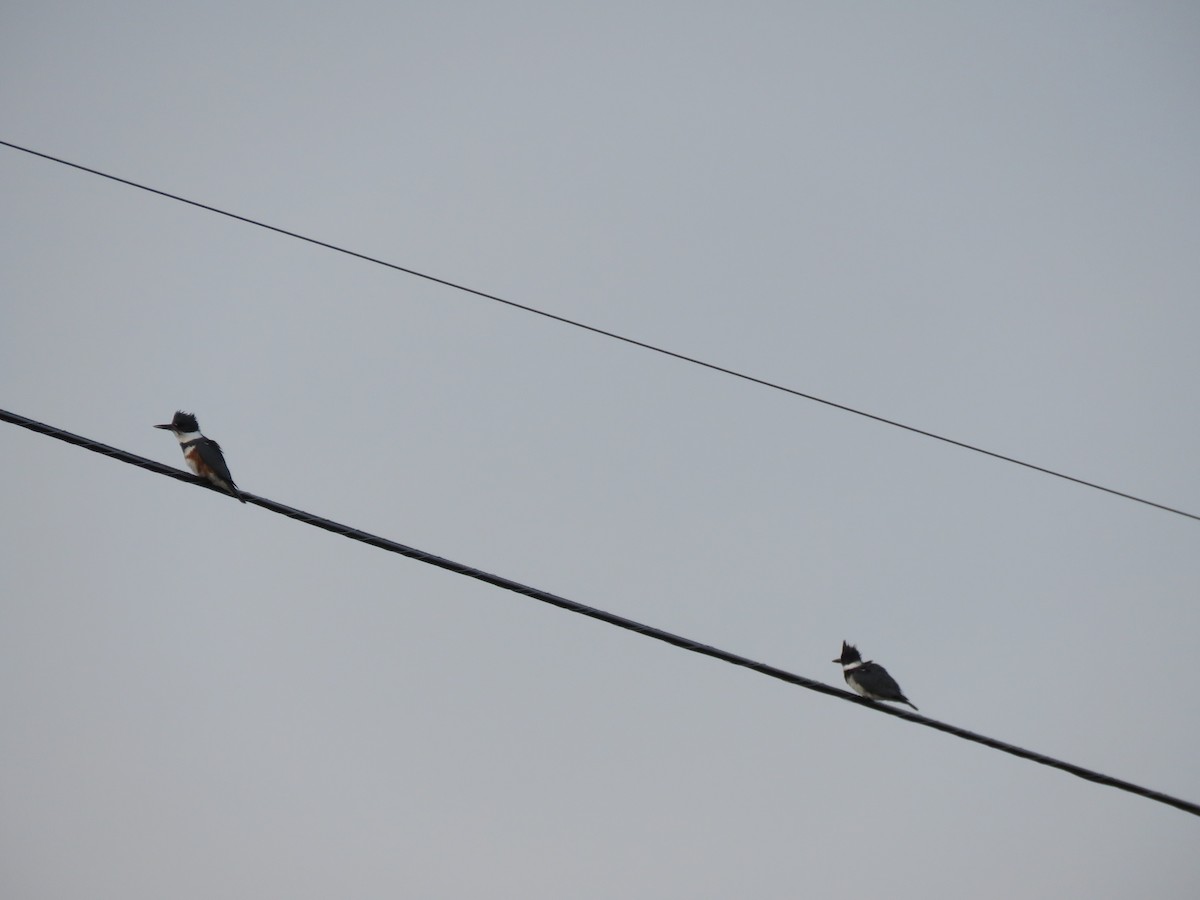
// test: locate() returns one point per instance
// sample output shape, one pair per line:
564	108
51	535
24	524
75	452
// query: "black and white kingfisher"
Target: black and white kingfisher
203	455
869	679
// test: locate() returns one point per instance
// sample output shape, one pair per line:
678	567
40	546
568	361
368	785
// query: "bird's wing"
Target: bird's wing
212	456
875	678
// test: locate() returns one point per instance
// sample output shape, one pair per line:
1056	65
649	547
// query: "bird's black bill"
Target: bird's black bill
168	427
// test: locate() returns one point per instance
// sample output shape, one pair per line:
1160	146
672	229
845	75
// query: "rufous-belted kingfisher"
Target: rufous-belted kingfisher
203	455
869	679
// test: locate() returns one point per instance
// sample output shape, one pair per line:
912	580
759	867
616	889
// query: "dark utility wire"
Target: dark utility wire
610	334
610	618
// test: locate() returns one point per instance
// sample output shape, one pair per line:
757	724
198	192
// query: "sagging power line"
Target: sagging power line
611	334
649	631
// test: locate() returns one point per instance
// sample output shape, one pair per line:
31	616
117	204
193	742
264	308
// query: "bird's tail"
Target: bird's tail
902	699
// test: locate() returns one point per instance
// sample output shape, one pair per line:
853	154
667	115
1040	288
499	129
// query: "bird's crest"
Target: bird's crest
185	422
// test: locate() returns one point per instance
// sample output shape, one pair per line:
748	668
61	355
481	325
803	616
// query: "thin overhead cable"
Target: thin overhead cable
607	617
609	334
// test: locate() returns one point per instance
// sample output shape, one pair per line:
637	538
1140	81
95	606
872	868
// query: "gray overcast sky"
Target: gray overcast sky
979	219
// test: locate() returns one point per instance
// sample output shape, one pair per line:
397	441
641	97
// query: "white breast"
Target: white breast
857	688
190	456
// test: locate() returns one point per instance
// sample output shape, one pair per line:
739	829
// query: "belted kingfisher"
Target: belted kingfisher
203	454
869	679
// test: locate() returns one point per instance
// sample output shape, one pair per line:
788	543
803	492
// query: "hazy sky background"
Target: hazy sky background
982	220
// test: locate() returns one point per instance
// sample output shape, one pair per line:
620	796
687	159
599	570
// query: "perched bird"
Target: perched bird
203	454
869	679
